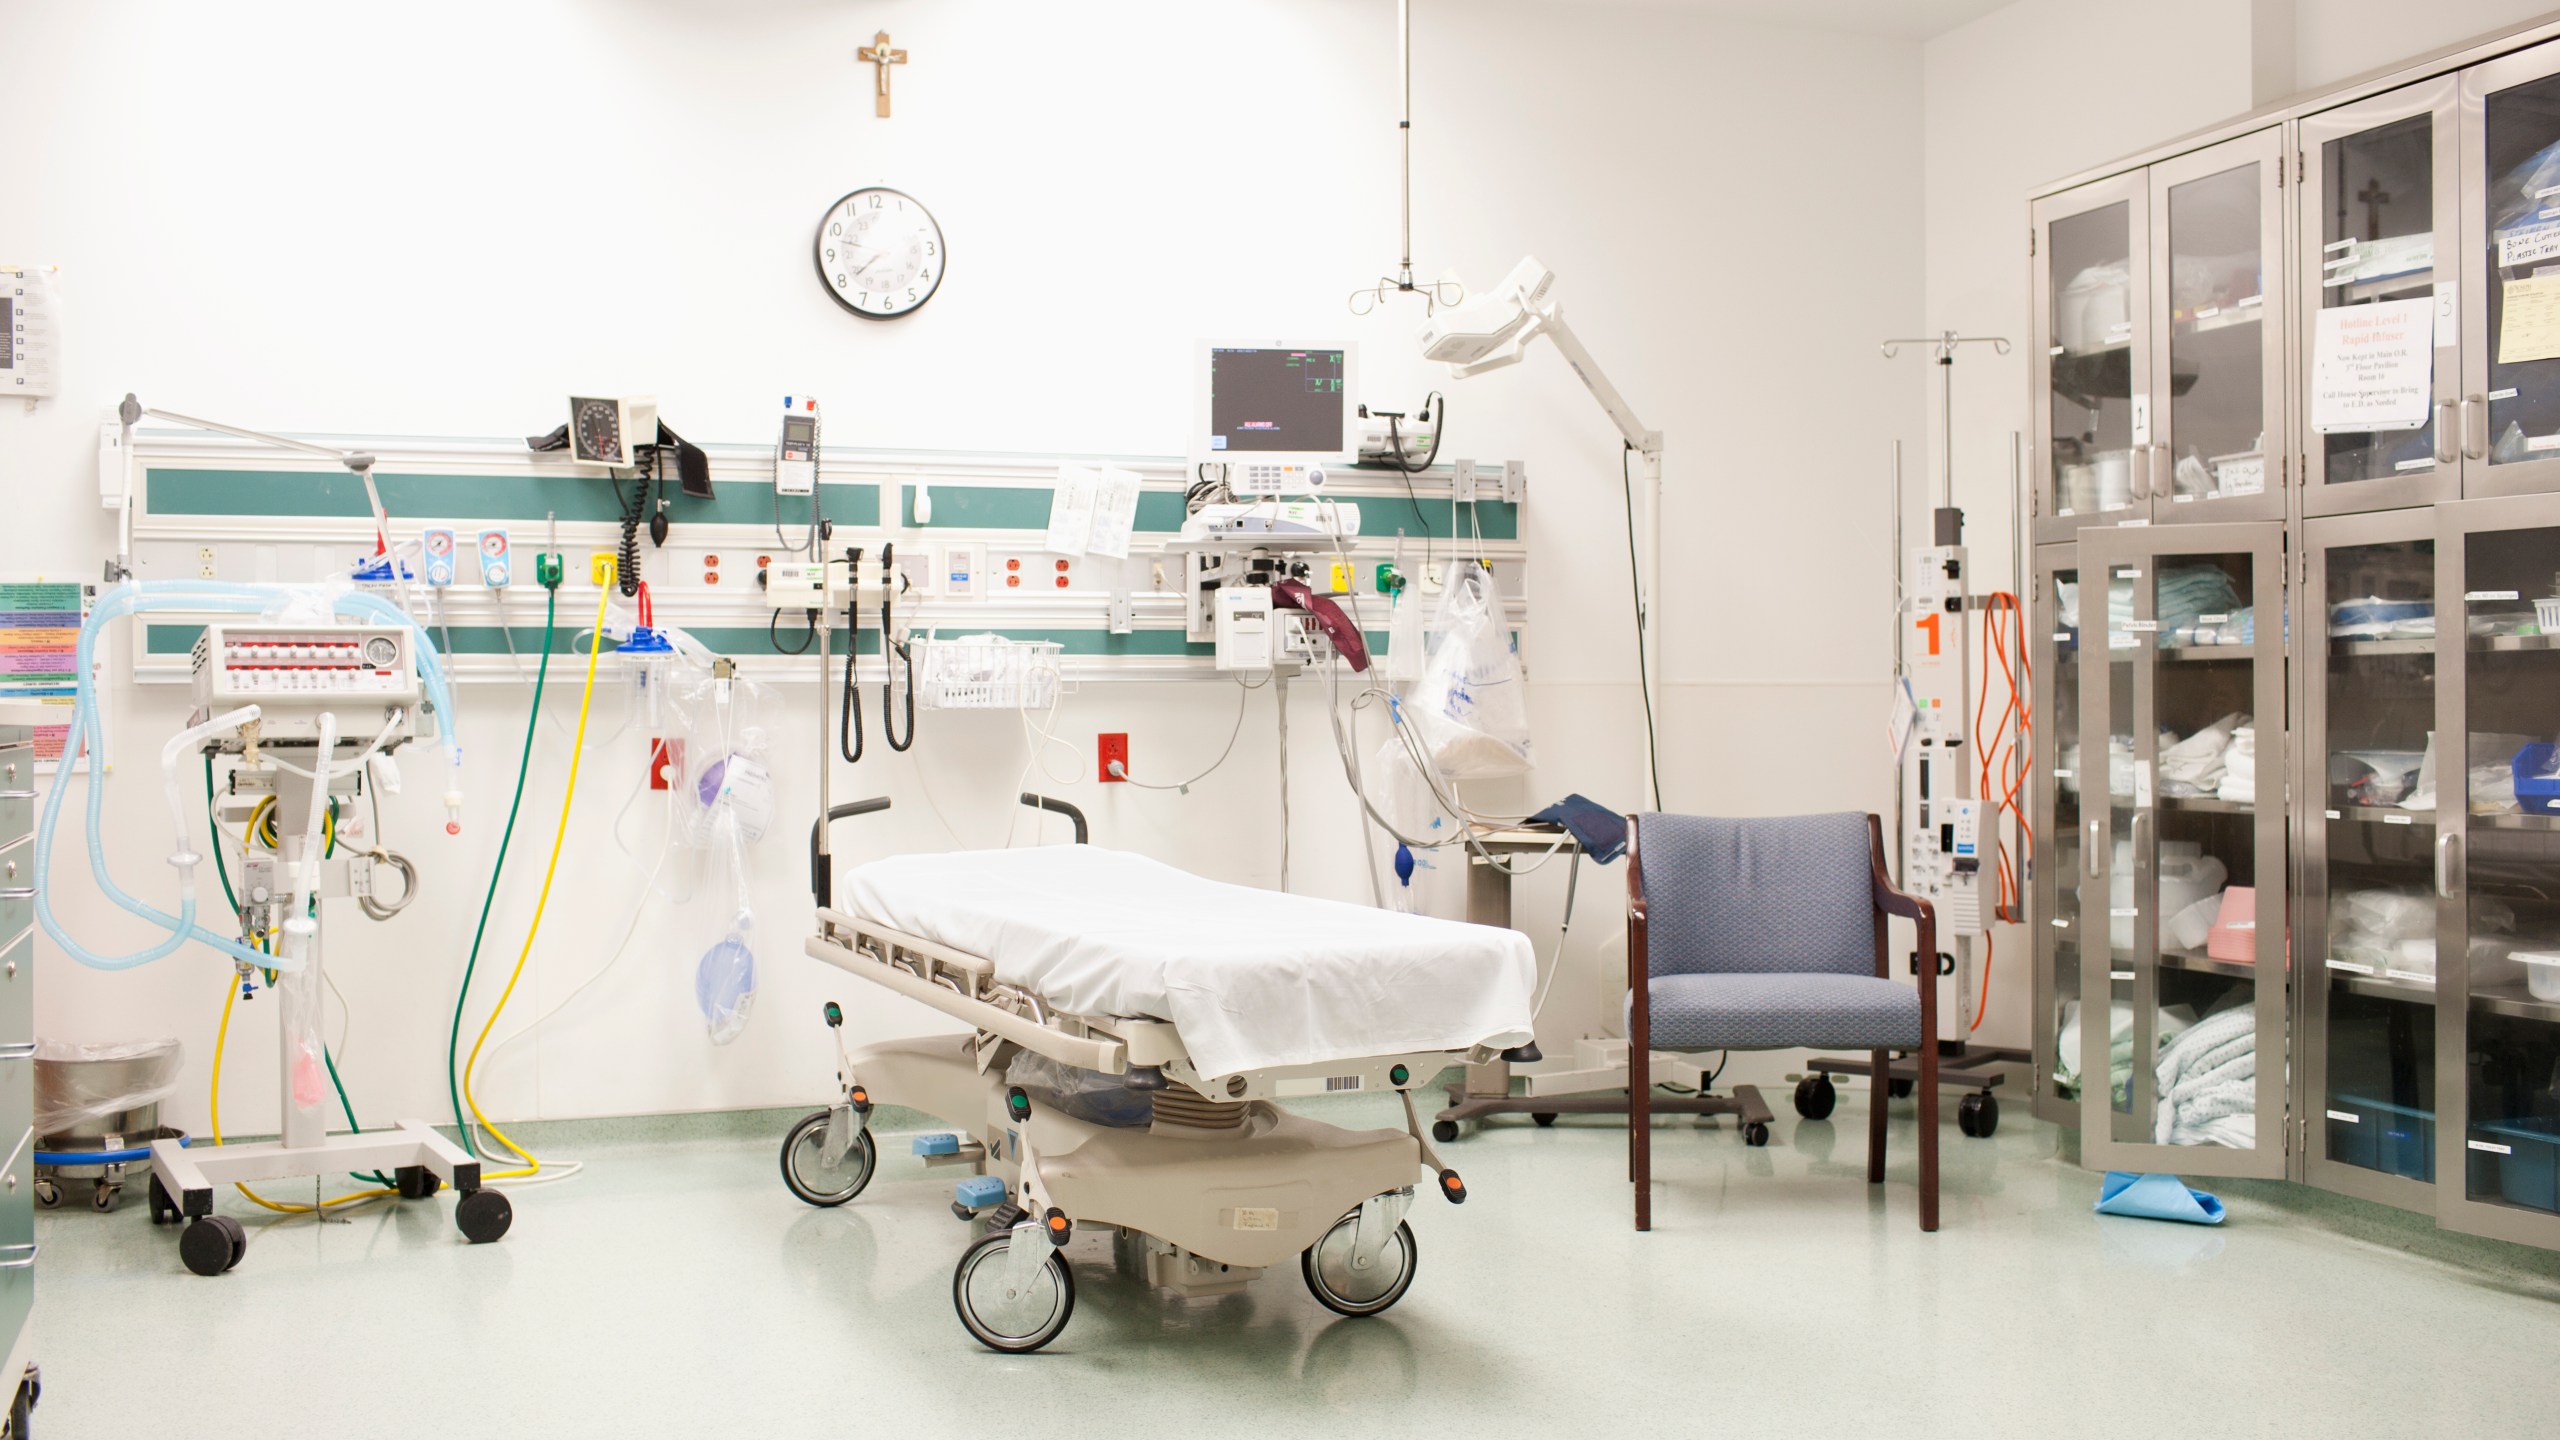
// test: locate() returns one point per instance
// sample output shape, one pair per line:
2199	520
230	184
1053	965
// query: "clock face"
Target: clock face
879	253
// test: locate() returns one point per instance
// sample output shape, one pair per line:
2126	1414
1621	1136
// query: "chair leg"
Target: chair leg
1879	1088
1929	1134
1640	1131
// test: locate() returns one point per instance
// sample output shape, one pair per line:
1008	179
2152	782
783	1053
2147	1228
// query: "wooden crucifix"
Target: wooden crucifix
881	58
2373	196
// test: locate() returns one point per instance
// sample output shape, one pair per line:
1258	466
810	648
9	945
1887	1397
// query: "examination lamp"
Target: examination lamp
1494	330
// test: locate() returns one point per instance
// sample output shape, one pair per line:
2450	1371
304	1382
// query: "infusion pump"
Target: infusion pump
294	672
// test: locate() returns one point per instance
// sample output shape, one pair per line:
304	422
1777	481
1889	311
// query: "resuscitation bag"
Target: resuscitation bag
1471	706
724	986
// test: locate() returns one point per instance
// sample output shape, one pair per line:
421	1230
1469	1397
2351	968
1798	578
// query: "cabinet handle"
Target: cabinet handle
17	1261
2475	433
17	794
17	892
2097	834
2448	441
2138	474
21	1050
2161	470
2445	852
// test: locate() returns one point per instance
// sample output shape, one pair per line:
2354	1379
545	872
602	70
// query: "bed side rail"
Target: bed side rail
822	874
862	948
1055	806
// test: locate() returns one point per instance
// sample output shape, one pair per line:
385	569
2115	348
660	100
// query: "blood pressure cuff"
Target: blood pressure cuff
1599	830
1346	637
693	468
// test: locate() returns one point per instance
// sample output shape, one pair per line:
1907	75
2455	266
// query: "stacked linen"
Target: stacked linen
2213	627
2208	1082
2066	1058
2240	768
2374	618
2195	765
2384	932
2185	593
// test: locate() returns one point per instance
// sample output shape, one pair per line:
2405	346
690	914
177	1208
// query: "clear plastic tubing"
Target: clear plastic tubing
86	736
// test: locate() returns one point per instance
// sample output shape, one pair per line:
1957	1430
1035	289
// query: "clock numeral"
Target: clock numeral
839	280
831	254
911	292
863	299
875	201
835	227
928	247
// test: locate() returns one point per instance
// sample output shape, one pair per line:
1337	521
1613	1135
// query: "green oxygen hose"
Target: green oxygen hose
524	764
223	869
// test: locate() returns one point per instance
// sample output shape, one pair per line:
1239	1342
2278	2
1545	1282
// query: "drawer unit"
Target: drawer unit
17	991
17	896
17	1242
17	1088
17	787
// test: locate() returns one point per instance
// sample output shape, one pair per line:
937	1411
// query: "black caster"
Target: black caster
1444	1131
416	1182
164	1211
1815	1097
1001	1316
1898	1089
212	1244
1329	1268
806	1172
48	1194
1978	1115
1544	1118
1755	1134
483	1216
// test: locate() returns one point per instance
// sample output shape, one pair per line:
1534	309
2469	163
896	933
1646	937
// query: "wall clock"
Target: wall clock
879	253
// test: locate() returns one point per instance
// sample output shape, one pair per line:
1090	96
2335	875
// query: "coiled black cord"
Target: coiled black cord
891	652
635	507
849	724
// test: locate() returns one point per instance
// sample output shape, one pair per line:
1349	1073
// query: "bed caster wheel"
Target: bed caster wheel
1444	1131
808	1175
1755	1134
212	1244
48	1194
1006	1319
1544	1118
483	1216
1898	1089
1346	1288
103	1198
1978	1115
1816	1097
415	1182
164	1211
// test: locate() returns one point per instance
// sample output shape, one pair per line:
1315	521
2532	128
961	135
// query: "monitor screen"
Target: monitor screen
1275	400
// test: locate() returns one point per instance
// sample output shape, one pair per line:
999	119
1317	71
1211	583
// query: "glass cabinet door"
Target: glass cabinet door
2381	366
2093	386
2187	852
2511	274
2218	443
2495	768
2368	912
2054	623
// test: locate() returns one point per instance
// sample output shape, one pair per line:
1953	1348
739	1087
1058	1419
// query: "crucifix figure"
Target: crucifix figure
2373	195
881	58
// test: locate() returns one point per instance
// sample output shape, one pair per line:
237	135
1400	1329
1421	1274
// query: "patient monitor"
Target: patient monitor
1275	415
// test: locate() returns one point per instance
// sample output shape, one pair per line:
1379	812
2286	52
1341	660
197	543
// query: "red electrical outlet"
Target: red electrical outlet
1108	751
666	763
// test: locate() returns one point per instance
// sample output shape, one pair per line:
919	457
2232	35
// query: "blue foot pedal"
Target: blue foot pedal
937	1144
979	1191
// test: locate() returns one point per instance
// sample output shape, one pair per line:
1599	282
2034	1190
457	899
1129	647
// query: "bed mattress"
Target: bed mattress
1252	978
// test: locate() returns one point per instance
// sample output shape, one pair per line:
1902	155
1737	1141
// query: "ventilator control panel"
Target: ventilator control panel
264	664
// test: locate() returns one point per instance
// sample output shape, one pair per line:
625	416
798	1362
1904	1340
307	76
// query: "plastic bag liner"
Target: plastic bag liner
1471	705
1088	1095
84	1085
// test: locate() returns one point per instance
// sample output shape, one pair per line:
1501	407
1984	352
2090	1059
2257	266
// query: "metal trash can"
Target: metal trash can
97	1110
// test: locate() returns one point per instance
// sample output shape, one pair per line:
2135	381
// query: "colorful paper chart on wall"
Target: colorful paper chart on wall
39	652
2373	367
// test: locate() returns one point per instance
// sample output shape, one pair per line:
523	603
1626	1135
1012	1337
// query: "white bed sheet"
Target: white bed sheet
1252	978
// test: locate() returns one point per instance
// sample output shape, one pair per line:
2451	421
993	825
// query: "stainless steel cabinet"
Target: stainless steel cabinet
2054	657
17	1051
2365	926
2497	867
2184	851
2161	390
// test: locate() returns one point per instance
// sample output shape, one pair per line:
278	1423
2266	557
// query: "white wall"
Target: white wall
325	218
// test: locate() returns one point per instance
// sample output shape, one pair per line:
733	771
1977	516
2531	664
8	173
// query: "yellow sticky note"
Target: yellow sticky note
2529	327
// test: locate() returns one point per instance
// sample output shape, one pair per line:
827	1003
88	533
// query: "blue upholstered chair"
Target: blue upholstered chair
1769	934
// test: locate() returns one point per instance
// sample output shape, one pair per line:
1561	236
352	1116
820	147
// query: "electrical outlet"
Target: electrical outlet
1108	751
204	562
666	762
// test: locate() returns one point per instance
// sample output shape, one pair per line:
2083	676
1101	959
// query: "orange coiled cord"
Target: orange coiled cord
2010	735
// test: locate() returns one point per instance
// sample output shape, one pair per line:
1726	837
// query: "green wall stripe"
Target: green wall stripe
464	499
338	494
747	641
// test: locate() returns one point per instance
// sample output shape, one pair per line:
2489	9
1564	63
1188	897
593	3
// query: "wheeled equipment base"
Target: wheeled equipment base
1592	1081
1960	1067
183	1181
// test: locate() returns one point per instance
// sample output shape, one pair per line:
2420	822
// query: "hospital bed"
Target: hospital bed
1167	1014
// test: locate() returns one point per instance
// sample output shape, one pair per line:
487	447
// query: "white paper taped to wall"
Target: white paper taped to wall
2373	366
2529	320
1071	510
1115	512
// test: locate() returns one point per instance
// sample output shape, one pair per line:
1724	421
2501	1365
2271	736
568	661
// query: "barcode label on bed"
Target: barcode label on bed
1337	1083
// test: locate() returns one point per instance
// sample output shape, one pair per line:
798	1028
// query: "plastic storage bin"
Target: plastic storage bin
2529	1173
2394	1139
2541	972
2537	790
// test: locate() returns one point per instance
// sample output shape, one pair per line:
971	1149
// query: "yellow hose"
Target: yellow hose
577	749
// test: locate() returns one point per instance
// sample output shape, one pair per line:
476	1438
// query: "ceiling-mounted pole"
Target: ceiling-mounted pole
1404	137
